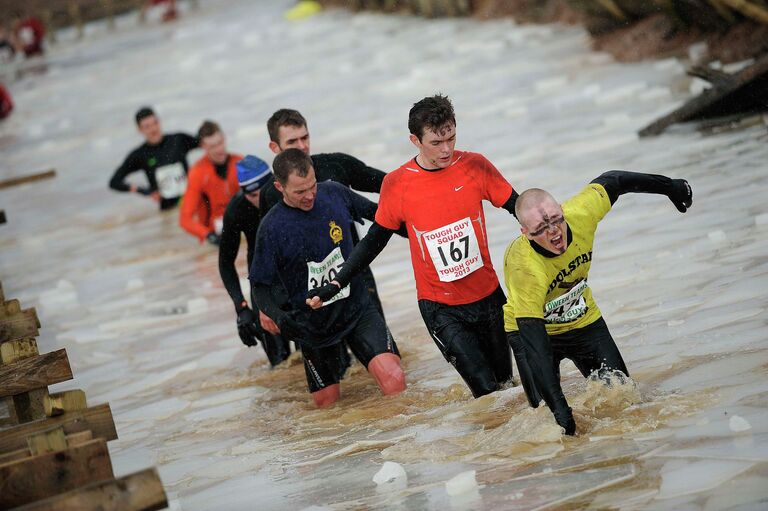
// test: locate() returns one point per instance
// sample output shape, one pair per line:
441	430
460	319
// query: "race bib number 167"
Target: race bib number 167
454	250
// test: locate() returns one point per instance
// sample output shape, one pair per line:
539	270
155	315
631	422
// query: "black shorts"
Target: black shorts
590	348
369	337
471	337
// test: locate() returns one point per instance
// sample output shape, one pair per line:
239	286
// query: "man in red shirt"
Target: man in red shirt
212	182
438	196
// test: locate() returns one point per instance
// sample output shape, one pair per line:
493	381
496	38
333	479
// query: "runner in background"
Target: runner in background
288	129
29	35
438	195
212	184
242	217
6	103
550	314
163	158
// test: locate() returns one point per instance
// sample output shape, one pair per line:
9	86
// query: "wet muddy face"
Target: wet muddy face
545	224
436	147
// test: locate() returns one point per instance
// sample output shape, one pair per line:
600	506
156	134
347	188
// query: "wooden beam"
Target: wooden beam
67	401
12	351
745	94
34	372
72	440
15	181
38	477
141	491
17	326
98	419
30	406
10	307
51	440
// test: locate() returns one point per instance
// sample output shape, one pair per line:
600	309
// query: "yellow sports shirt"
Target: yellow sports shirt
555	288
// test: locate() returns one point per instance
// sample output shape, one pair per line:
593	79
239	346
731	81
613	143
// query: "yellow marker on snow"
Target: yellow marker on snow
303	9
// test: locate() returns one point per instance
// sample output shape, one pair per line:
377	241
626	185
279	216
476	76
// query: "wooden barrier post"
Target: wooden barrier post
37	477
141	491
97	419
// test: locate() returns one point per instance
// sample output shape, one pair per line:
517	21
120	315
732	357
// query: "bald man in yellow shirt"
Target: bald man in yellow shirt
550	313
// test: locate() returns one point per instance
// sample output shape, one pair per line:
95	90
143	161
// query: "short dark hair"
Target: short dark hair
432	113
207	129
143	113
291	161
284	117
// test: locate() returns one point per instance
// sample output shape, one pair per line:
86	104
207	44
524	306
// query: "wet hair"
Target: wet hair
207	129
143	113
431	113
530	198
291	161
284	117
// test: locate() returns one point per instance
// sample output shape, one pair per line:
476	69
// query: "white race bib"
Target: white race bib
171	180
454	250
322	273
567	307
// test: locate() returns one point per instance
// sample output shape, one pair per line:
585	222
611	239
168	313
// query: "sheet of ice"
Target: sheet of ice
683	478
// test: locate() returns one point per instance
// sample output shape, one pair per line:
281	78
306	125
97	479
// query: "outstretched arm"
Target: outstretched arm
538	350
361	257
619	182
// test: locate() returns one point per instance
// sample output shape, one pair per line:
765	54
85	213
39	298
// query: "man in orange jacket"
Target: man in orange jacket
212	182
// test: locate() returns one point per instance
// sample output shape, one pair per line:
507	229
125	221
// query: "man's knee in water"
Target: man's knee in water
385	369
325	397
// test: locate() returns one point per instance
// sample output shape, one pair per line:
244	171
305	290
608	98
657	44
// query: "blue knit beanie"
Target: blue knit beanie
252	173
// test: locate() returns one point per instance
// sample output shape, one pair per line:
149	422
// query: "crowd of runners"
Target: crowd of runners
311	284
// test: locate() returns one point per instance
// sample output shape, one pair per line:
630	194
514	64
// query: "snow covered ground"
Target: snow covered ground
149	328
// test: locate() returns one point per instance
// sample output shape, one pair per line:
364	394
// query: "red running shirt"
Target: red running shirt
443	213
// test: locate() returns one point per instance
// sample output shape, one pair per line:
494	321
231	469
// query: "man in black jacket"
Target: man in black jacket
163	158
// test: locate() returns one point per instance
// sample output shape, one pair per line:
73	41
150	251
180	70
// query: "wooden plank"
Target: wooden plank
30	406
38	477
98	419
34	372
72	440
67	401
141	491
20	180
79	438
746	93
51	440
18	454
17	326
10	307
12	351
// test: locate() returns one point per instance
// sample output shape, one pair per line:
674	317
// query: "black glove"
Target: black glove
290	329
565	419
325	292
248	327
681	195
213	238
